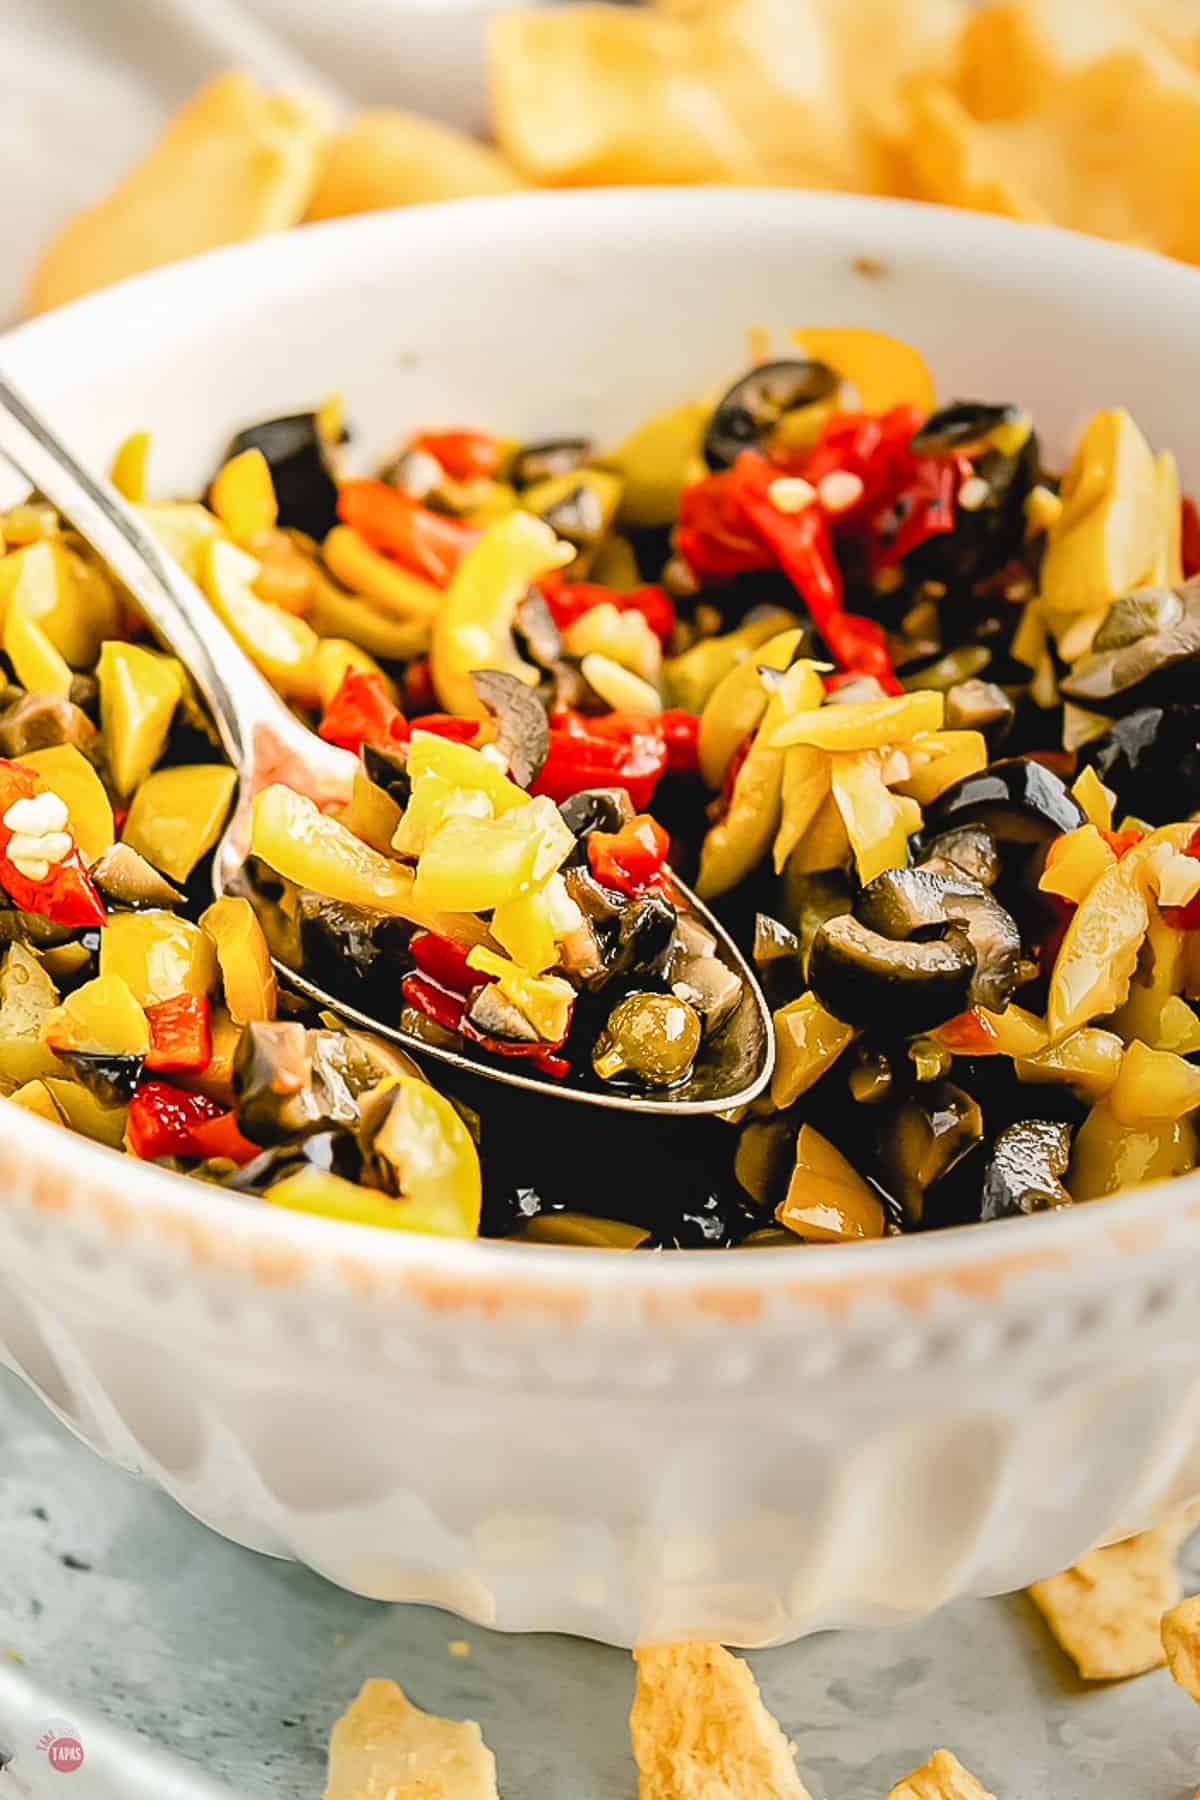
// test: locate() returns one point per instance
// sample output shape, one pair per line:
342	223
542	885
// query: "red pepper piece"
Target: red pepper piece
1121	841
361	713
180	1033
162	1118
1049	947
541	1055
436	1002
429	544
967	1034
444	961
460	731
1184	918
680	732
67	896
629	859
613	750
569	601
465	455
1190	542
221	1137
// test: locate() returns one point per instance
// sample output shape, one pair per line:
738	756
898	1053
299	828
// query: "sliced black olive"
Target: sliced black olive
538	637
645	937
773	940
1151	759
39	721
491	1013
334	1152
1146	647
124	876
1023	1171
522	728
976	705
111	1079
1020	802
757	401
557	456
911	903
388	769
596	809
291	1081
340	942
710	987
971	848
297	456
963	425
926	1137
898	987
578	516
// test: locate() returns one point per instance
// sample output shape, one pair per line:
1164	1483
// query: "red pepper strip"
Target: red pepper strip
630	858
180	1033
444	961
66	896
1184	918
446	725
569	601
1121	841
428	543
613	750
714	536
1190	541
449	1010
361	713
165	1121
967	1034
680	732
465	455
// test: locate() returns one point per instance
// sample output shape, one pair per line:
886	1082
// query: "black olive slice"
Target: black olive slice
897	987
557	456
522	728
1023	1170
297	456
963	425
757	401
1020	802
1146	647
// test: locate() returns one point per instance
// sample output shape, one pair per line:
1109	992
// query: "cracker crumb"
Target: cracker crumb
873	268
1181	1644
1106	1612
700	1730
941	1778
459	1647
14	1656
385	1748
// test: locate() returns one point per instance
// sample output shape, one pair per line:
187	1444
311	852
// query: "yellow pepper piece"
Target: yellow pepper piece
139	691
737	703
36	663
243	958
1109	1156
334	614
865	724
692	677
1153	1085
424	1138
939	760
618	687
878	823
737	843
85	1114
624	637
471	865
1155	1011
655	461
828	1201
541	498
1075	863
184	528
1095	799
461	766
243	495
177	814
282	646
884	370
35	1097
808	1041
1168	570
371	814
71	600
128	469
432	803
473	629
545	1000
824	845
102	1017
336	657
307	846
1089	1061
1108	538
614	565
364	571
582	1229
158	955
65	771
1018	1032
27	995
524	926
803	792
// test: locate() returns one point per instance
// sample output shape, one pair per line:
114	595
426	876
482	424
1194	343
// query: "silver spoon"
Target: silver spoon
266	742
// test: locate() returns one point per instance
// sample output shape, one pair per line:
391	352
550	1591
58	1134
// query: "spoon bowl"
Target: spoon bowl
267	743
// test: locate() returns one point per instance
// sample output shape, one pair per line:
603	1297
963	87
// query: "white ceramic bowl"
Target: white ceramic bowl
744	1446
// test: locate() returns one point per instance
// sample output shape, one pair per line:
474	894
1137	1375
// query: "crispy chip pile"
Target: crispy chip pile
1107	1610
941	1778
1181	1644
701	1732
385	1748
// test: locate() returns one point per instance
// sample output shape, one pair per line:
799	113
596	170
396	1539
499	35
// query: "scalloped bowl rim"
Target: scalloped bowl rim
280	1246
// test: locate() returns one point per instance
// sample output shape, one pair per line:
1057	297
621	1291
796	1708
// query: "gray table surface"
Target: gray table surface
197	1671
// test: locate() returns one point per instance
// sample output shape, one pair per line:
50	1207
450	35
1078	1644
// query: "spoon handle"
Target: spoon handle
241	700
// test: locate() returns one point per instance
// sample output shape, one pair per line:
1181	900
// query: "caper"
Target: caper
652	1036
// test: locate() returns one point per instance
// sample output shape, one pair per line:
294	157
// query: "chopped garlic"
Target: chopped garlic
791	493
38	814
840	490
973	493
1176	876
623	690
